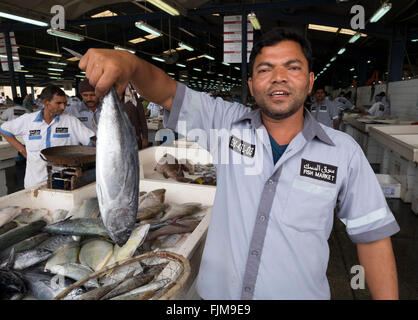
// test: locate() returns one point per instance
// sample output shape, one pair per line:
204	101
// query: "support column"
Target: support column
362	71
22	85
397	53
10	63
244	92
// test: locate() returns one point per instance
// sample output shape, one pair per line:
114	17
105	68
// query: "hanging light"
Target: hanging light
185	46
381	12
254	21
23	19
147	28
65	34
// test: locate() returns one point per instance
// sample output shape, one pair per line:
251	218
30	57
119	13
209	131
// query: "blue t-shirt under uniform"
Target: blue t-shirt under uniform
277	149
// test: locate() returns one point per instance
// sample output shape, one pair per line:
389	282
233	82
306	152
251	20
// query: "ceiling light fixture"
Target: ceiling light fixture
55	69
23	19
137	40
125	49
208	57
333	58
147	28
185	46
180	65
354	38
254	21
48	53
56	62
381	12
65	34
342	50
165	7
197	69
21	70
226	63
157	59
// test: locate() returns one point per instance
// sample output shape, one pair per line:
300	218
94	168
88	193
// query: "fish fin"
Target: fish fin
11	260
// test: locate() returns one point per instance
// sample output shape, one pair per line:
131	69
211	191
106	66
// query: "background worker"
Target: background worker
46	128
88	111
324	110
273	211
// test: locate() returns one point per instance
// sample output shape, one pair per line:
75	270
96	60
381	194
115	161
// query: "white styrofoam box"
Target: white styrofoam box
414	204
407	179
149	157
386	159
390	186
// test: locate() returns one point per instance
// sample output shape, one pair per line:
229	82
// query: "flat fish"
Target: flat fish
67	254
89	208
117	169
152	198
96	253
8	214
151	211
181	210
32	215
135	240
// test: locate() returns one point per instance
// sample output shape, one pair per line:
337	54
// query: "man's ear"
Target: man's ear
250	85
311	81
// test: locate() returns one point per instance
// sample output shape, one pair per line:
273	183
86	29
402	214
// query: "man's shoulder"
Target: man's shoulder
341	139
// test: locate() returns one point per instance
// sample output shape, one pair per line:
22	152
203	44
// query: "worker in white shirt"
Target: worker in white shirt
14	112
380	107
46	128
154	109
324	110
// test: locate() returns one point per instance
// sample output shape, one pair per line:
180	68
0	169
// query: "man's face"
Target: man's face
320	95
281	79
56	106
90	99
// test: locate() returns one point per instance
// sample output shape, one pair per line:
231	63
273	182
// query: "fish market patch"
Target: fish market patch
242	147
61	130
319	171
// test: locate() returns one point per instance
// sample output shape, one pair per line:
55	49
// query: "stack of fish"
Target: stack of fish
170	167
42	253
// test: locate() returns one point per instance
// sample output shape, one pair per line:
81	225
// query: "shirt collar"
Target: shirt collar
40	114
311	127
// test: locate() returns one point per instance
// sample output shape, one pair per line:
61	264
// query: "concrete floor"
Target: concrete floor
343	254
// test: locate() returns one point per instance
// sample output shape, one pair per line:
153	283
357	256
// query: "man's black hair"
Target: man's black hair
17	100
320	88
275	36
51	90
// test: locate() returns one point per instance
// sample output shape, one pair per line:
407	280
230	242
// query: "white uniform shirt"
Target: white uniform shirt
326	112
38	135
155	109
13	113
270	224
377	109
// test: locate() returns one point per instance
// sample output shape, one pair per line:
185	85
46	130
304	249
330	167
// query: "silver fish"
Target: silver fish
76	272
117	169
21	233
148	287
78	227
42	252
45	286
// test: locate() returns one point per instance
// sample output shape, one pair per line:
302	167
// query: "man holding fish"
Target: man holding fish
269	227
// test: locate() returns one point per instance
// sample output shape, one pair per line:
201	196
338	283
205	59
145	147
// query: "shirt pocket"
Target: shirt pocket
35	143
309	206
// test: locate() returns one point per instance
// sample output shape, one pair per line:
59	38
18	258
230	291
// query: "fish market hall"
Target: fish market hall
282	165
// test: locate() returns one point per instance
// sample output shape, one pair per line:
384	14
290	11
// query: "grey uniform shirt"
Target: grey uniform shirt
325	113
270	224
89	118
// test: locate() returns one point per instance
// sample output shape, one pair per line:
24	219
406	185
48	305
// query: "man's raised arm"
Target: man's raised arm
105	67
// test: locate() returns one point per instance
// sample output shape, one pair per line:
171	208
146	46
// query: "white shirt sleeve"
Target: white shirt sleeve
15	127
